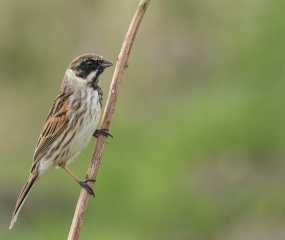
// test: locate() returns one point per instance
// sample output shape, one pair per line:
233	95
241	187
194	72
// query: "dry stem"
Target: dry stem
107	117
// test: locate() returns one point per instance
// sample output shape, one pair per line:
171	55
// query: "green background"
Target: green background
198	148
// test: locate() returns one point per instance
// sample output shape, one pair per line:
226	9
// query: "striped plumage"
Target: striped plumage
71	121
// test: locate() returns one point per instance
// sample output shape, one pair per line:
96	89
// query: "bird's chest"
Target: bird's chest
85	118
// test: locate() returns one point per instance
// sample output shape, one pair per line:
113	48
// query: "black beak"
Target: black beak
106	64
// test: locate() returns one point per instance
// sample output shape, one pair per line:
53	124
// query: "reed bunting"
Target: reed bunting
70	124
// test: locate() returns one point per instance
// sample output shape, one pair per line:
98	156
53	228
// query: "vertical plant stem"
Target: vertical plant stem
121	66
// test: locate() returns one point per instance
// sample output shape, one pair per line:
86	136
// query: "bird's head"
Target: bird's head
87	69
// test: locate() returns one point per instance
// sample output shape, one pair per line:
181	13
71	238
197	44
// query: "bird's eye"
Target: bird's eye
89	63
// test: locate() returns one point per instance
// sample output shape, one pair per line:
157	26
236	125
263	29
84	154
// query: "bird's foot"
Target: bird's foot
86	186
102	131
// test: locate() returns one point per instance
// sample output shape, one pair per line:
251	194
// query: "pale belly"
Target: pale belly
82	137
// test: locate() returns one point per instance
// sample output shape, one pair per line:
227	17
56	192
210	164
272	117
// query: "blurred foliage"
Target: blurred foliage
199	128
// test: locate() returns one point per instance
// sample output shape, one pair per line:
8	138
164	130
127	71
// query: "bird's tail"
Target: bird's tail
22	197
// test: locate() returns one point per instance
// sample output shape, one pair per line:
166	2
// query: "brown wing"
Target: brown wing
56	123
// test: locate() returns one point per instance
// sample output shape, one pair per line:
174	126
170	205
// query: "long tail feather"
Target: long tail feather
22	197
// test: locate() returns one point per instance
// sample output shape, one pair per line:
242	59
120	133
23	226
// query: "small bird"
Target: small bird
70	124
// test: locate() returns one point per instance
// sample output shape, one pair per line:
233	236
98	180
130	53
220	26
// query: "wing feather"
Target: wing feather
56	123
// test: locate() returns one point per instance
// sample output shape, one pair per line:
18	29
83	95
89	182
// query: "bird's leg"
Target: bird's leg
102	131
81	183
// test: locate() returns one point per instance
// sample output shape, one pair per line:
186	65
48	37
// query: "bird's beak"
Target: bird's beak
106	64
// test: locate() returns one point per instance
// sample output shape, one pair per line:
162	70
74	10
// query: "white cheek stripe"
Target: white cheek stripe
70	74
91	76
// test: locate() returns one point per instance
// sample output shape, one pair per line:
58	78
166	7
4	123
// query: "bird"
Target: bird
71	123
